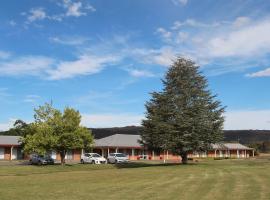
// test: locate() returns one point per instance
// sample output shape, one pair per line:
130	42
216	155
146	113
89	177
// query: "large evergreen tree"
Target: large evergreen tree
185	116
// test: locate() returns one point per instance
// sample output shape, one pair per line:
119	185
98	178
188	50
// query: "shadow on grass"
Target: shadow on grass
149	164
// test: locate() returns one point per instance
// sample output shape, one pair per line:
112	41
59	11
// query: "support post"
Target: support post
102	152
116	150
167	155
253	153
237	153
164	161
82	152
11	152
215	153
153	155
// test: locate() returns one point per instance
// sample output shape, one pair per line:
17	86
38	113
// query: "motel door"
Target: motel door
2	153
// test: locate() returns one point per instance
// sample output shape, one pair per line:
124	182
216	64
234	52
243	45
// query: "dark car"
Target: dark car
41	160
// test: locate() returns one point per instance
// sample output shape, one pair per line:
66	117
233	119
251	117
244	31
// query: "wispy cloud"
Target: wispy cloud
69	40
194	23
227	45
140	73
4	54
179	2
84	65
71	9
262	73
36	14
26	65
31	98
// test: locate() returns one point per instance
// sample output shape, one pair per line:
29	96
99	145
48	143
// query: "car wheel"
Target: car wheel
82	161
93	162
116	161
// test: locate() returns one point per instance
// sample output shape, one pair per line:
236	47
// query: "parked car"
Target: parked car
93	158
117	158
41	160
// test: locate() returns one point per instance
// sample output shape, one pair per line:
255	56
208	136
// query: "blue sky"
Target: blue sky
104	57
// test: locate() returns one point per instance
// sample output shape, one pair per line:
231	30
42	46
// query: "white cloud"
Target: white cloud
181	2
220	47
72	41
74	9
164	57
194	23
111	120
263	73
248	41
27	65
257	119
182	37
71	9
140	73
84	65
36	14
164	33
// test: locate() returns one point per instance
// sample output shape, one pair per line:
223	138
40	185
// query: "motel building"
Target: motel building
10	149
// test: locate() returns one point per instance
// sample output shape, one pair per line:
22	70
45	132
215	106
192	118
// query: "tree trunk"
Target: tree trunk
184	157
63	155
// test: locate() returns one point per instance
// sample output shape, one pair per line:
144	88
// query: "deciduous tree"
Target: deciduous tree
53	130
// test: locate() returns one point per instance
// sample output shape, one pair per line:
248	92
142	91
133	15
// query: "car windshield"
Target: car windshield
120	155
96	155
48	157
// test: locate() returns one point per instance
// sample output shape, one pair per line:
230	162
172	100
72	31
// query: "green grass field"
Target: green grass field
221	179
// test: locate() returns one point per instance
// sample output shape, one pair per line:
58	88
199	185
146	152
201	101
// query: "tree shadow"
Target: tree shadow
149	164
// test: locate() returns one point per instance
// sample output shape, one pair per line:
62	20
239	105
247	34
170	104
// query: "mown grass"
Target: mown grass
222	179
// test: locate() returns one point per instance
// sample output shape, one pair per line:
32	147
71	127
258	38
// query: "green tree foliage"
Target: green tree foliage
56	131
20	128
184	116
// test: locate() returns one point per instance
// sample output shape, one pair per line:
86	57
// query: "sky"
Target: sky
105	57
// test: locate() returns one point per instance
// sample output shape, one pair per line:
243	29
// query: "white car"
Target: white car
117	158
93	158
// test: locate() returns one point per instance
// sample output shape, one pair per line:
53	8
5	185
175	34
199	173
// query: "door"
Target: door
2	153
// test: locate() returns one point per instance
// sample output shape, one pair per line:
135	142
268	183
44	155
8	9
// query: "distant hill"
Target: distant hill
247	136
242	136
104	132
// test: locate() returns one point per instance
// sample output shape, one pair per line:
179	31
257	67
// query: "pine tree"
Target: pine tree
184	116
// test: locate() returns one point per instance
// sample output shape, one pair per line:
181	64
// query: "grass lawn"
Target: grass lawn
220	179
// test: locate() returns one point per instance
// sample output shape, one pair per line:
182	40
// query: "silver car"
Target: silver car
117	158
93	158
